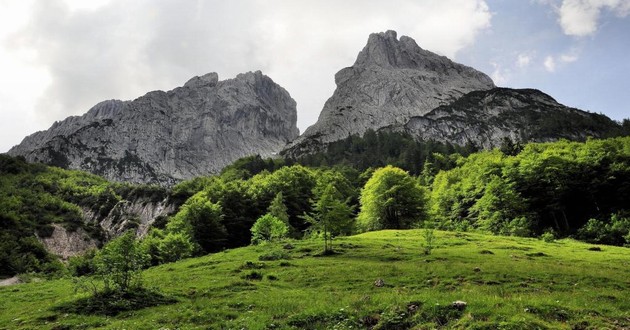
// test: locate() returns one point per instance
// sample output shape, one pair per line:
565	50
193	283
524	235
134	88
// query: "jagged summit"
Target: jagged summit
391	81
165	137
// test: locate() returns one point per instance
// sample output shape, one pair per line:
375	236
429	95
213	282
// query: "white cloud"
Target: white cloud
84	53
499	75
523	60
568	58
550	64
580	17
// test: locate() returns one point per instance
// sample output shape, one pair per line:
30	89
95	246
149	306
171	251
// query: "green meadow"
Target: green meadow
506	283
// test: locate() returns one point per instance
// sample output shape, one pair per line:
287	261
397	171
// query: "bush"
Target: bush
615	232
548	236
268	228
119	263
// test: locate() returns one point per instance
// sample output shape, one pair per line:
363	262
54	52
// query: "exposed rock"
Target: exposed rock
138	214
66	243
391	81
165	137
459	305
379	283
486	118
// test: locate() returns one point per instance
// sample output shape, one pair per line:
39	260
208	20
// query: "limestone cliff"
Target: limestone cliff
391	81
166	137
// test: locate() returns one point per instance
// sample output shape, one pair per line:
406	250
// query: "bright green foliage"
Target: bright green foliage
558	185
268	228
200	219
331	216
164	246
119	263
278	209
391	199
428	243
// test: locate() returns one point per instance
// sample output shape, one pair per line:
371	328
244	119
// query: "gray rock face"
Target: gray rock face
165	137
391	81
486	118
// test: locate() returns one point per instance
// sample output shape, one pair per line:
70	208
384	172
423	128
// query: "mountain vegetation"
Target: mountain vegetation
562	189
378	280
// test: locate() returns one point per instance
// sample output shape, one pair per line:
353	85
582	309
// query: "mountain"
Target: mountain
391	81
165	137
396	86
487	118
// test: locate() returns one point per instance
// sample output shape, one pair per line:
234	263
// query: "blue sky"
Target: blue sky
60	57
590	72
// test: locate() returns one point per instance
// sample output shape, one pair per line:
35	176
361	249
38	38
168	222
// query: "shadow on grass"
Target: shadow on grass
114	302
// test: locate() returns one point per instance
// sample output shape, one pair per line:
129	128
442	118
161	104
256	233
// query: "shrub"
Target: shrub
119	263
268	228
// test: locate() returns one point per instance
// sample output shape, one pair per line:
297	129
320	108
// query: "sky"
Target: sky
60	57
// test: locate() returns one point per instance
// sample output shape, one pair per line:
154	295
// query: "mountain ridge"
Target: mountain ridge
165	137
396	86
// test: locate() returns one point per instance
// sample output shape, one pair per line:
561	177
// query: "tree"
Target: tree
278	209
331	216
119	263
268	228
391	199
201	220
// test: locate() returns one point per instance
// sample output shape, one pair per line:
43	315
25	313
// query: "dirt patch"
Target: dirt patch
10	281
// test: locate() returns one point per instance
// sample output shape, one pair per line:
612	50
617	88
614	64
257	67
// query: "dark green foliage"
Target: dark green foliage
616	231
331	216
111	303
383	148
201	220
83	264
246	167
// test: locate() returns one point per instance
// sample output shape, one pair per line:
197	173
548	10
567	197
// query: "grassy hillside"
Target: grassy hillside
507	283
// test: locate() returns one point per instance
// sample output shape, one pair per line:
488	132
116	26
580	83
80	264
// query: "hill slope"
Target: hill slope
507	282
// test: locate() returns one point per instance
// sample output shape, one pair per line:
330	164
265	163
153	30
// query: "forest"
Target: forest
550	190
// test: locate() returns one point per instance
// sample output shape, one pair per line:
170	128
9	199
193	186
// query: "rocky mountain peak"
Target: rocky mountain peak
210	79
391	81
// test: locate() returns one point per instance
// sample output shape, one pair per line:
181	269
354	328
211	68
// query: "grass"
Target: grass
506	282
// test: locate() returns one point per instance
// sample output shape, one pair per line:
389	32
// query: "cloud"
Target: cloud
499	75
122	49
523	60
550	64
568	58
580	17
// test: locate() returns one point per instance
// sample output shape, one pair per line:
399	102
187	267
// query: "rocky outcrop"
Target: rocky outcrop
66	244
486	118
138	214
166	137
391	81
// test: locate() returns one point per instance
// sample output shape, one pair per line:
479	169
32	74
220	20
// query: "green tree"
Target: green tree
331	216
268	228
391	199
201	220
278	209
119	263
